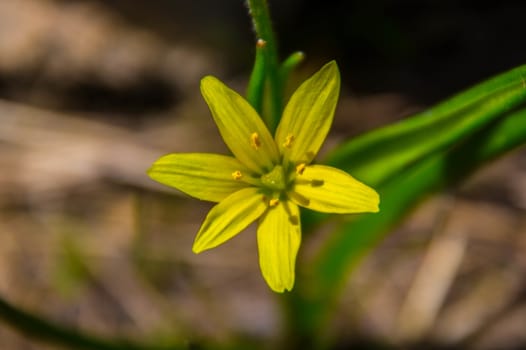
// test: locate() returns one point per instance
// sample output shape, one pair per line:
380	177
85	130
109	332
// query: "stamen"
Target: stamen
300	168
288	141
317	183
273	202
254	140
237	175
294	219
304	201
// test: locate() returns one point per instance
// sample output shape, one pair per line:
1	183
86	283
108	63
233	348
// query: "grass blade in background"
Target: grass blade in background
380	154
406	162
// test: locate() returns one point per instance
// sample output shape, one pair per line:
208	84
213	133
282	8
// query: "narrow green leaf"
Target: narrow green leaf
405	162
256	84
290	64
311	302
378	155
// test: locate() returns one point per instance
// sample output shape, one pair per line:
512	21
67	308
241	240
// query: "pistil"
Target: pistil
275	179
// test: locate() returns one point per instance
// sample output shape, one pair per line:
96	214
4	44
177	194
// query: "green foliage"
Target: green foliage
383	153
71	271
406	162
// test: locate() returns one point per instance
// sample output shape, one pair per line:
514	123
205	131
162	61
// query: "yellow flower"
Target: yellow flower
268	177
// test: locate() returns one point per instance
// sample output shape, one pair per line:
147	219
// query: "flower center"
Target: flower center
275	179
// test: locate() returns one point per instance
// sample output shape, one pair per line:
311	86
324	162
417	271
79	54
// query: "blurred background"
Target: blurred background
92	92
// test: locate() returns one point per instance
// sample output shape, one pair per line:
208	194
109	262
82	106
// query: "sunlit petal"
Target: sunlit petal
279	237
308	115
201	175
330	190
229	217
240	126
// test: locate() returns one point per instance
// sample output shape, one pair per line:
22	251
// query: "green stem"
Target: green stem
45	330
256	84
263	26
290	64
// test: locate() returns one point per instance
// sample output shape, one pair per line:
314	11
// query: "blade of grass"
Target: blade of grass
314	297
290	64
256	84
378	155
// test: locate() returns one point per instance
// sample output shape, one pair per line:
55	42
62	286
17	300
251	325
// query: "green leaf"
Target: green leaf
256	83
378	155
403	191
290	64
405	162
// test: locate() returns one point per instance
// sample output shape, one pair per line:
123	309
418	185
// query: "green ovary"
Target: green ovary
275	179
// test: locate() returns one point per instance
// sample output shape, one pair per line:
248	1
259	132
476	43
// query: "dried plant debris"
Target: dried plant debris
81	55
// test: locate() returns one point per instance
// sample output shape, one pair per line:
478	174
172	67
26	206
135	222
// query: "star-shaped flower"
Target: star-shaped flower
268	177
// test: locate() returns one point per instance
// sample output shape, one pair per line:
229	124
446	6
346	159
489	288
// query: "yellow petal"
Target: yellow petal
200	175
330	190
308	115
229	217
240	126
279	237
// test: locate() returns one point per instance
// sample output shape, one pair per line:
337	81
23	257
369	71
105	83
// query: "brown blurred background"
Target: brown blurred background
92	92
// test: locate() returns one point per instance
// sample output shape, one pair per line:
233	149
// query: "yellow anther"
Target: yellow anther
254	140
300	168
273	202
237	175
288	141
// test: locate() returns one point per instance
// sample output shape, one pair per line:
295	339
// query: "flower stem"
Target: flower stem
256	84
259	12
